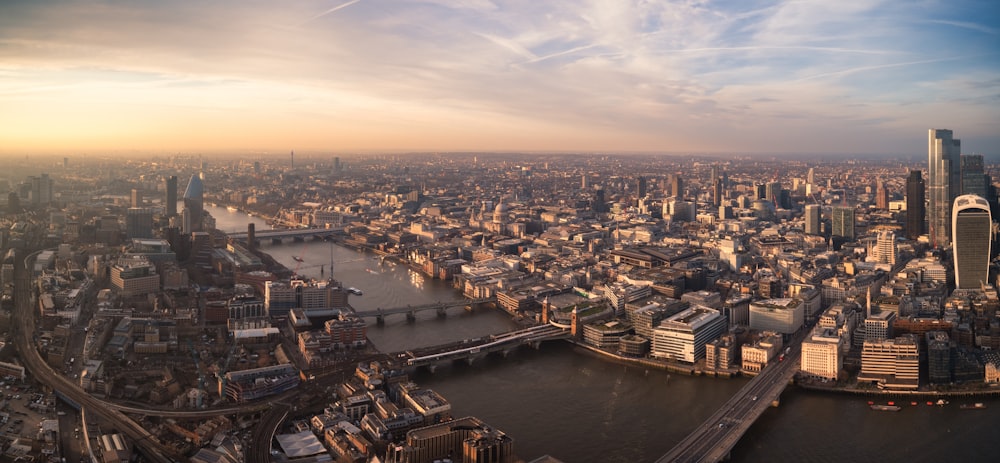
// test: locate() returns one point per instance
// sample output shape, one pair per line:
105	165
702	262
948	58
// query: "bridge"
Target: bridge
411	311
297	234
716	437
470	350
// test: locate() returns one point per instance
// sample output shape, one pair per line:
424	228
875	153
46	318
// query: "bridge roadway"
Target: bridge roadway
482	346
716	437
419	308
286	233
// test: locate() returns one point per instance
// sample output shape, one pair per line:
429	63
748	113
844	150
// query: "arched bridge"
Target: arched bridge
411	310
470	350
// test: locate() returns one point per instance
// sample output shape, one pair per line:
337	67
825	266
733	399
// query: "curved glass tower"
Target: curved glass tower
971	226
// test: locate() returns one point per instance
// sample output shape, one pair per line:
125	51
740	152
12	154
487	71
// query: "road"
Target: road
716	437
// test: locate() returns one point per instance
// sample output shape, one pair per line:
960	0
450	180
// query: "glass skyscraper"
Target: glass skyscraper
971	227
944	182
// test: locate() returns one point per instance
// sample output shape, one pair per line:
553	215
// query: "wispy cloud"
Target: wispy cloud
559	74
331	10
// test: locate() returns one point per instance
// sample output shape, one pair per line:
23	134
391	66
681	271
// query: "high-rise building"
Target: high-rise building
971	232
812	219
881	196
677	187
811	176
886	247
974	179
914	205
640	187
772	192
944	182
843	222
139	223
194	204
40	190
136	197
171	196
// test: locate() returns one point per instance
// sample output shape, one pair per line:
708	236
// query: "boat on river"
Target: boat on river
885	408
975	406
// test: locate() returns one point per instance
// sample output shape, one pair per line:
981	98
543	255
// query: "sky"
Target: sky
843	77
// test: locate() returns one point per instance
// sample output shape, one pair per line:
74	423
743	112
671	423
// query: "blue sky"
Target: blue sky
841	77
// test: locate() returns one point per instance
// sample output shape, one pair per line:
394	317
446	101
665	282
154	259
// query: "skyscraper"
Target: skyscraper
915	205
843	223
194	204
139	223
971	226
974	179
136	197
641	187
677	186
171	196
881	196
944	182
812	219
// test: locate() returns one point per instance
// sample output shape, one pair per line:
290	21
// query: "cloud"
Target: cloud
606	73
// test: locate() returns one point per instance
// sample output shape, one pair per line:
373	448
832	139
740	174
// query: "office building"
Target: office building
843	223
891	364
640	188
470	437
171	206
821	353
943	183
812	216
139	222
938	357
40	190
915	213
783	316
194	204
881	196
974	179
683	336
886	251
972	232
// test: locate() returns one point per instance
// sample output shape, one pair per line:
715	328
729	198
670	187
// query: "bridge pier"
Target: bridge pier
411	316
506	352
298	239
432	367
535	344
442	313
275	240
380	320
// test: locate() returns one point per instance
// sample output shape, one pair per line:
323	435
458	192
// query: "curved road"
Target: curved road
23	328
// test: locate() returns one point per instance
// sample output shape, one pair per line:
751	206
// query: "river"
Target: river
563	401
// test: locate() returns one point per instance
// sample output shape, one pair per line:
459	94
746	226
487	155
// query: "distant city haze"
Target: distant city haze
865	78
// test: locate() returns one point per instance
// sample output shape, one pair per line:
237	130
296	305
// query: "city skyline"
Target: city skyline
360	75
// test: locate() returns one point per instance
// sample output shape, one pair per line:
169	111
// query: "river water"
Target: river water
563	401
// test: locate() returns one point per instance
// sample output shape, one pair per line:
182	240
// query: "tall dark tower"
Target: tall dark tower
915	213
171	196
293	159
598	205
677	187
641	187
136	197
252	236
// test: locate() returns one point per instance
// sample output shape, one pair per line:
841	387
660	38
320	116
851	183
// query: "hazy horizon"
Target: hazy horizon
837	78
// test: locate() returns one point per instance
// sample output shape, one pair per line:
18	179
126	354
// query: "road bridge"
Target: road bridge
470	350
411	310
280	234
716	437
